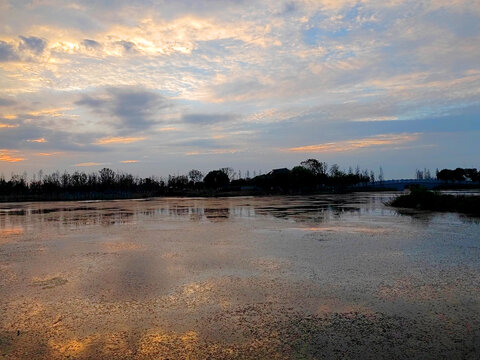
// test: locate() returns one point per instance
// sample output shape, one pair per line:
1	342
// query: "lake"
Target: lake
300	277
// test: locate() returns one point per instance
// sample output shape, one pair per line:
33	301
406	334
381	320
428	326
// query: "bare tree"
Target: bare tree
427	174
357	170
229	172
335	170
380	175
419	174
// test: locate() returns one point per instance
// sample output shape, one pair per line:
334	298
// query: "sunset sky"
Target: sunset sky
159	87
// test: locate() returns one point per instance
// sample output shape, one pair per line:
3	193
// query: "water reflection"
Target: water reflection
217	214
303	209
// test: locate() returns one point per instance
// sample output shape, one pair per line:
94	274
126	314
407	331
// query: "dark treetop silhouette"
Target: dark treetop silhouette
309	177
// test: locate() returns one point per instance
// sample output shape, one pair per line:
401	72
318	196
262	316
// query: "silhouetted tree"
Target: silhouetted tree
178	182
459	174
195	176
315	166
216	179
419	174
301	177
229	172
107	176
472	174
335	171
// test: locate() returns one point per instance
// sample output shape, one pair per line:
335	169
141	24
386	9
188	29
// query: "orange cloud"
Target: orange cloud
54	112
350	145
46	154
8	156
379	118
118	140
3	126
168	128
212	152
39	140
128	161
88	164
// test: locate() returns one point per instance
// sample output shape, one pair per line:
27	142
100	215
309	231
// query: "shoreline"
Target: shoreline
99	196
202	194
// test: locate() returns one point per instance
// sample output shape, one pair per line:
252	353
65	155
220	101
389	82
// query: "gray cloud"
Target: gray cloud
7	102
18	138
33	43
128	108
7	52
93	103
91	44
289	7
127	45
203	143
207	119
245	88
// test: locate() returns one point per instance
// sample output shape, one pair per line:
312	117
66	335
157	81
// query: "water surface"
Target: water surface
266	277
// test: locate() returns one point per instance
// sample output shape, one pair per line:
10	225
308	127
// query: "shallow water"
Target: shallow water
275	277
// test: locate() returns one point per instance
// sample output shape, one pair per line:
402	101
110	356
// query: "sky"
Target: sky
161	87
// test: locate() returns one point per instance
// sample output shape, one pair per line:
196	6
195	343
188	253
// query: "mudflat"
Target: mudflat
304	277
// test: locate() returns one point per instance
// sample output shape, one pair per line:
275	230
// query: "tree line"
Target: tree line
105	183
449	175
459	174
310	175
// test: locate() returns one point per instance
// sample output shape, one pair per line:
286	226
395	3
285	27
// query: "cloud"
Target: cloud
50	112
127	108
208	119
10	156
212	152
351	145
47	154
167	129
6	101
39	140
118	140
29	133
91	44
376	118
129	161
244	88
8	126
126	45
33	43
214	143
14	51
7	52
88	164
